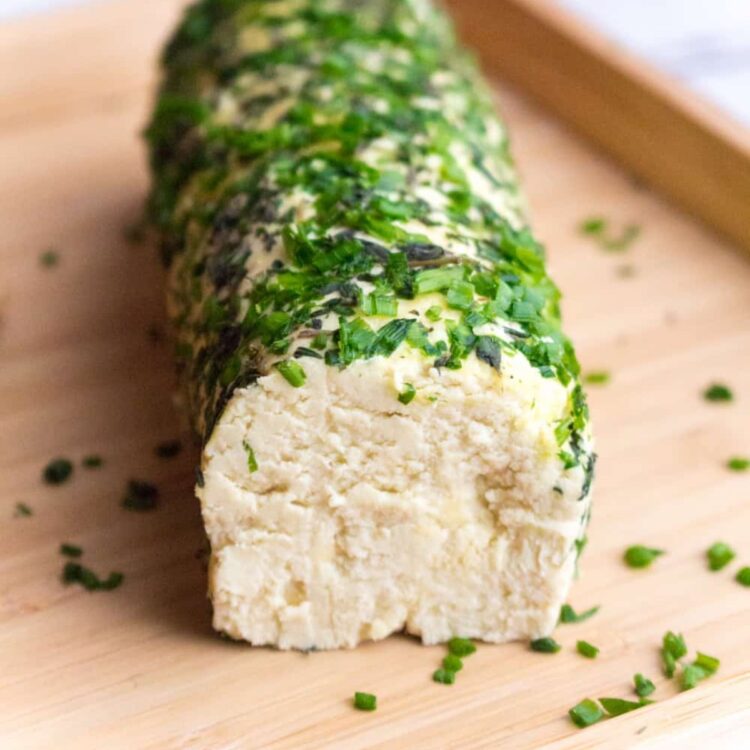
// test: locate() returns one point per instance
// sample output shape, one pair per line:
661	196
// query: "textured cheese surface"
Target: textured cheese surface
449	515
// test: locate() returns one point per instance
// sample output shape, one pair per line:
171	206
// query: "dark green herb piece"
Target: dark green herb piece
57	471
619	706
74	572
599	377
461	647
545	645
93	461
593	226
673	648
70	550
292	372
709	664
23	511
586	649
639	556
453	663
586	713
703	666
168	449
718	392
140	496
738	463
252	463
643	686
743	576
407	395
365	701
49	258
719	555
569	615
444	676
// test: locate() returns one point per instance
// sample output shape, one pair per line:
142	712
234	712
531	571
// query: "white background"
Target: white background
706	43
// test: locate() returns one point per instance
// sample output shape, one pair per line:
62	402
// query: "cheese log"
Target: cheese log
393	432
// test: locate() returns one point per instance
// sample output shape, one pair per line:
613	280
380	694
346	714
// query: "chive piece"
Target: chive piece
365	701
22	511
639	556
719	555
407	395
643	686
437	279
70	550
593	226
692	675
619	706
545	645
669	663
112	581
585	713
708	663
168	449
140	496
738	463
743	576
718	392
461	647
434	313
92	461
453	663
569	615
74	572
252	463
444	676
49	258
586	649
673	648
292	372
460	295
599	377
57	471
380	305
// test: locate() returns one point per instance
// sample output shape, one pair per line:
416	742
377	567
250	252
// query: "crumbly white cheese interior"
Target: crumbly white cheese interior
451	515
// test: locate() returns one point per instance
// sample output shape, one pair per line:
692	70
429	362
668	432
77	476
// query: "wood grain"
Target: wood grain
661	131
139	667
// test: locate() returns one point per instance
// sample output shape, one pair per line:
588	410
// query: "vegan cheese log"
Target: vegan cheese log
394	435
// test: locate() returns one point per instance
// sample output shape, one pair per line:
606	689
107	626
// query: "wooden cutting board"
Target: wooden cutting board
139	667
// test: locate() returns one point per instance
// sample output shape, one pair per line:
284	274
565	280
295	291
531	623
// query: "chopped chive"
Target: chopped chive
738	463
453	663
586	649
743	576
669	663
365	701
545	645
252	463
23	511
92	461
292	372
593	226
407	395
708	663
585	713
569	615
643	686
460	295
57	471
320	341
619	706
49	258
140	496
437	279
168	449
74	572
719	555
461	647
691	676
673	648
598	377
433	313
380	305
70	550
718	392
639	556
444	676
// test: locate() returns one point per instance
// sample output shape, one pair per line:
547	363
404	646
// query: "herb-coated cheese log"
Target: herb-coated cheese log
394	436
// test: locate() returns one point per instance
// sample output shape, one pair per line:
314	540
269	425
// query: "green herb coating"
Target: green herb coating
57	471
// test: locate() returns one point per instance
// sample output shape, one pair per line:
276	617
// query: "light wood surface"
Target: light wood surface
660	130
139	667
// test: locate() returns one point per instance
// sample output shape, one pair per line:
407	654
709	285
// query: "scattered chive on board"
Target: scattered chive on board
461	647
673	648
70	550
444	676
74	572
140	496
586	649
545	645
619	706
569	615
586	713
738	463
719	555
57	471
643	686
365	701
639	556
92	461
598	377
453	663
49	258
168	448
22	510
718	392
743	576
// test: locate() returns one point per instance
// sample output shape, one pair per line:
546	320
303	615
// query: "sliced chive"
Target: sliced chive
738	463
461	647
692	674
365	701
407	395
453	663
593	226
433	313
599	377
545	645
674	643
57	471
569	615
460	295
292	372
437	279
74	572
380	305
49	258
718	392
444	676
70	550
643	686
719	555
140	496
23	510
168	448
585	713
639	556
619	706
586	649
252	463
708	663
93	461
743	576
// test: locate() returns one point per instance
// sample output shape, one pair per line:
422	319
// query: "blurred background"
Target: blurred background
705	43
